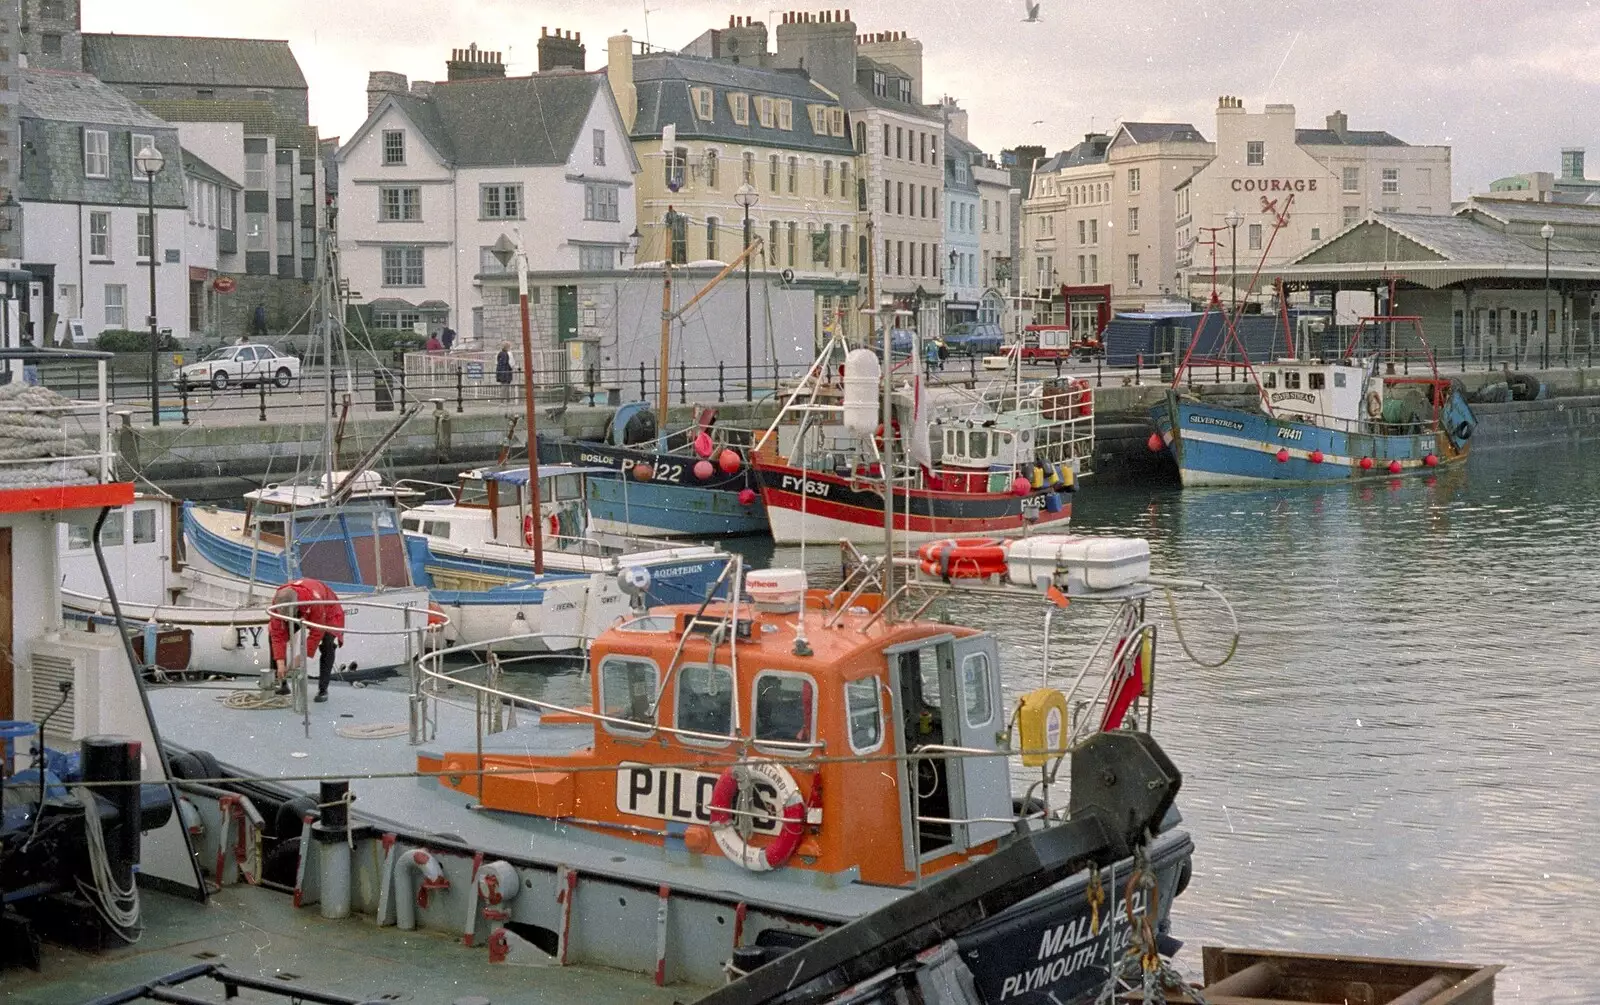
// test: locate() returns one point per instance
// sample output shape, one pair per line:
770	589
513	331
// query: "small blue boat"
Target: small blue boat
652	485
1318	422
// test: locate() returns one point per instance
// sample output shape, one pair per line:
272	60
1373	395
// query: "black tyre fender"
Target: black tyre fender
1463	430
291	816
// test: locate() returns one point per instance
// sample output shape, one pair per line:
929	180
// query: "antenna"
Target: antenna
647	9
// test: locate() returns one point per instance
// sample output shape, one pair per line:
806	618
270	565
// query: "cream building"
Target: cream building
994	241
1320	182
1099	219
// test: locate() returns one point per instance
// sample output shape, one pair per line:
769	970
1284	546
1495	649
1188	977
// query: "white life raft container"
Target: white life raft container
1078	564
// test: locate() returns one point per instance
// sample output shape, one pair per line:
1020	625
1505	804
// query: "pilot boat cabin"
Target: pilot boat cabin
762	736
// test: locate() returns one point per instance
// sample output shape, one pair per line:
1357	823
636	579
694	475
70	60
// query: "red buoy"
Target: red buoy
702	444
1366	464
703	470
643	472
1283	455
1155	443
1432	460
1316	457
1020	487
747	496
729	462
1394	467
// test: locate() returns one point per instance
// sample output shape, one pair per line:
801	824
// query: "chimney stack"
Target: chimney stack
473	63
560	49
381	84
1338	124
619	74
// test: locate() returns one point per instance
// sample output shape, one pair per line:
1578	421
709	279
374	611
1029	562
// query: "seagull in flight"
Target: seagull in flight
1033	11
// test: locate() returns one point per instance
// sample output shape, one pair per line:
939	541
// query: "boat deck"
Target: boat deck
271	744
258	932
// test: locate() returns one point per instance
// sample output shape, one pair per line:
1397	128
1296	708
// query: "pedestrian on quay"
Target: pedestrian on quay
502	370
433	345
448	337
258	321
316	608
931	354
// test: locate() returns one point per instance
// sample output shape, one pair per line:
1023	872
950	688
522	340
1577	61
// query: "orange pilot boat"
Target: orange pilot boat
796	758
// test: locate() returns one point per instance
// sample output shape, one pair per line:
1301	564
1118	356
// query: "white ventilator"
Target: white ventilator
861	388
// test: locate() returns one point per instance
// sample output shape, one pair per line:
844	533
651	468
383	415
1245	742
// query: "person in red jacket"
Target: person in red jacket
313	602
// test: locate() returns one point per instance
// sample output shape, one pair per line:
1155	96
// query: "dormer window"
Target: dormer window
880	84
764	112
739	108
786	114
703	103
836	121
905	90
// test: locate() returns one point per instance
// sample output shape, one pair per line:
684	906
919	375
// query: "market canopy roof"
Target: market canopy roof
1483	240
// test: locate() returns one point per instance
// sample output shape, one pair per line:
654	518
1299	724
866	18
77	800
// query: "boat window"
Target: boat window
1291	380
955	441
785	707
863	705
412	524
705	702
627	691
111	533
1269	379
975	689
649	623
569	487
270	528
1338	379
1316	381
473	493
437	528
144	526
978	443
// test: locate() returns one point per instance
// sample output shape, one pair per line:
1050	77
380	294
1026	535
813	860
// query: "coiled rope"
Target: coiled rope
251	701
119	907
34	428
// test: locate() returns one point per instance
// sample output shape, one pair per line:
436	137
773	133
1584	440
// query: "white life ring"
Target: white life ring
791	811
1375	404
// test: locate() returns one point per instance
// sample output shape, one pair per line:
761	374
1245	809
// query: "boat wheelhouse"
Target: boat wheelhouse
1003	462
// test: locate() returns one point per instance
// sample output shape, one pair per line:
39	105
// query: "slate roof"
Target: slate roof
65	96
860	93
196	165
202	62
1086	152
1525	211
664	81
1349	138
1162	132
504	122
955	146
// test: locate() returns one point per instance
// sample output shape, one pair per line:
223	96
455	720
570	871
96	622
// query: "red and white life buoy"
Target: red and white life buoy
791	815
964	558
877	437
554	530
1082	395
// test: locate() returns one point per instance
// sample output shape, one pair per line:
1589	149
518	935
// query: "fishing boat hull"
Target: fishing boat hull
820	507
1219	445
672	502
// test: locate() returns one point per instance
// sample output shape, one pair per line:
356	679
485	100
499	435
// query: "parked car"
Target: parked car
240	364
970	339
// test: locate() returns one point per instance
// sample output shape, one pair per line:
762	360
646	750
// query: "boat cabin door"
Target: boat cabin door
947	694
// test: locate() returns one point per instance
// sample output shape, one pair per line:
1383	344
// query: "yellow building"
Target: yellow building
708	129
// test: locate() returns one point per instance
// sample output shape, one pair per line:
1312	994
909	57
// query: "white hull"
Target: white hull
571	612
790	527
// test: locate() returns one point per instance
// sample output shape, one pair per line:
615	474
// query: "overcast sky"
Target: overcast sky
1506	85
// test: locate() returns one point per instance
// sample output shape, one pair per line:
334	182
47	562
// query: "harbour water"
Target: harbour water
1401	758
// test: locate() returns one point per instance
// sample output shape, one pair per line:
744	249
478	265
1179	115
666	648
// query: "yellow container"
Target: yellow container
1042	726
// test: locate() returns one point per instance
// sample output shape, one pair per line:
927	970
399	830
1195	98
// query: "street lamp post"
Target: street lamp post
1547	232
149	162
746	197
1233	219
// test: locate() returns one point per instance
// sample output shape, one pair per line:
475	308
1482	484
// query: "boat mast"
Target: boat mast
666	347
888	432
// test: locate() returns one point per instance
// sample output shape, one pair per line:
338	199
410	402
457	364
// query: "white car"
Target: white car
240	364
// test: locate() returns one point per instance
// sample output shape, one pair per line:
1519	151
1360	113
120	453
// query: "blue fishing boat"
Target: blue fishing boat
693	484
1320	420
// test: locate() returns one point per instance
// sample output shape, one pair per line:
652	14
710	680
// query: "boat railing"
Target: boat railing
47	439
431	675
